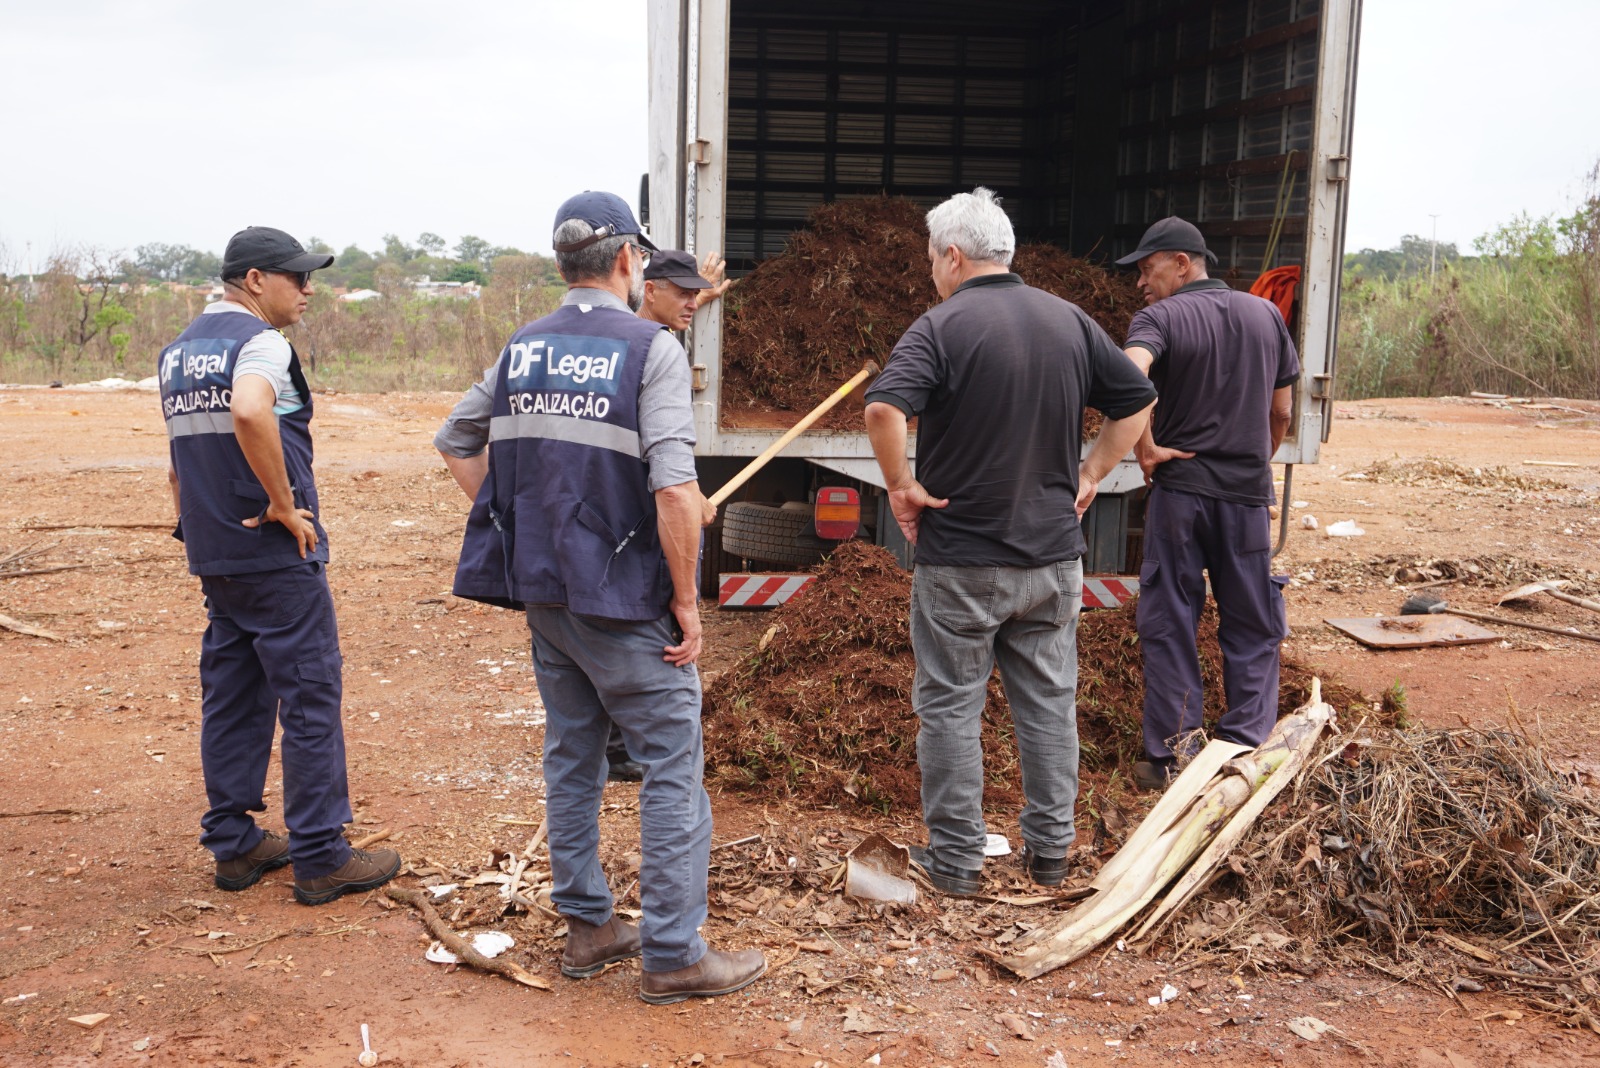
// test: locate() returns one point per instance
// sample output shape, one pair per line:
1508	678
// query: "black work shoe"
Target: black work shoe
364	870
590	947
959	882
1153	774
625	770
1046	871
712	975
246	869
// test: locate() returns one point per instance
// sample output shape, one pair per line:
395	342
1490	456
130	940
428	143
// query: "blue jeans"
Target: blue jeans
964	620
593	672
271	655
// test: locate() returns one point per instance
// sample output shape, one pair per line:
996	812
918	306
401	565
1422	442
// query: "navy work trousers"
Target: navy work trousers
1186	535
592	673
271	653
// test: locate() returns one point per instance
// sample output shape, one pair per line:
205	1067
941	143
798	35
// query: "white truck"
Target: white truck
1092	118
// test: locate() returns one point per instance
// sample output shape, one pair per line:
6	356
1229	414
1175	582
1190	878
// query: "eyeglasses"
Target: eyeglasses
644	253
301	278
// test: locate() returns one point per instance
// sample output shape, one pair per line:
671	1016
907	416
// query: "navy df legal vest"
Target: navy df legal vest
566	516
216	488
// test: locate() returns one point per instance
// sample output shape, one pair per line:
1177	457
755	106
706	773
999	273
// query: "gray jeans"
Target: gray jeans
963	621
591	673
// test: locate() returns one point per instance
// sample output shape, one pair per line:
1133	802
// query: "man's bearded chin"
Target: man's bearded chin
636	288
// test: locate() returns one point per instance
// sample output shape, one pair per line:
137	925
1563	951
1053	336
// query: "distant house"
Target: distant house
358	296
427	287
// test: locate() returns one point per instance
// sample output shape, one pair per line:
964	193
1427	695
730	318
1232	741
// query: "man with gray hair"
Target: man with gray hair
586	514
999	374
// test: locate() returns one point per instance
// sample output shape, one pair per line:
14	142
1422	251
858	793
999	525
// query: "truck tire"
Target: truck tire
771	534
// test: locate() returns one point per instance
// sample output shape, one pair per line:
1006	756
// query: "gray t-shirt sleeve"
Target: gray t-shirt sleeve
466	429
666	414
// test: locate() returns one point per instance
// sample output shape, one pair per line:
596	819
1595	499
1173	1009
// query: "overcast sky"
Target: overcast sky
175	121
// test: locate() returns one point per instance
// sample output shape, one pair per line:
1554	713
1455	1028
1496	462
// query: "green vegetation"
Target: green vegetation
90	314
1521	317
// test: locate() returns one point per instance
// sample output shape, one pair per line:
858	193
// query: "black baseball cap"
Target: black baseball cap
1171	234
267	249
608	213
679	268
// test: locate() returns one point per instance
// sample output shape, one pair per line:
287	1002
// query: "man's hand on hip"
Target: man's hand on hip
1153	456
907	503
687	651
1088	489
296	521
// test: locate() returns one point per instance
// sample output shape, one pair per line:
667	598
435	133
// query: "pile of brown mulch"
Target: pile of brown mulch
844	290
821	710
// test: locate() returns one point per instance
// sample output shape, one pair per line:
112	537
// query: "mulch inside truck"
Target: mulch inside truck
844	290
821	710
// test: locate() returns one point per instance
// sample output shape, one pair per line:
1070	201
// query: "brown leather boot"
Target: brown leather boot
590	948
246	869
714	974
365	870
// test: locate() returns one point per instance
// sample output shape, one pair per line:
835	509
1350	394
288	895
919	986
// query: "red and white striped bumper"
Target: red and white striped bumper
759	591
1109	592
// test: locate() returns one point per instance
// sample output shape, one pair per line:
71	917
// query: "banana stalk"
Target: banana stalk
1162	853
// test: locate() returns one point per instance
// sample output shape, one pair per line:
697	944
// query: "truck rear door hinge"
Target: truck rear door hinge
1321	386
700	151
1338	168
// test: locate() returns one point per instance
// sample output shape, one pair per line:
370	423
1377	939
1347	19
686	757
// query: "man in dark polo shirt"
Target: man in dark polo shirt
999	374
1225	367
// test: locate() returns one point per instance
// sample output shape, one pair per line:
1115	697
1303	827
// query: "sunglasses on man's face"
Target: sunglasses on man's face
301	278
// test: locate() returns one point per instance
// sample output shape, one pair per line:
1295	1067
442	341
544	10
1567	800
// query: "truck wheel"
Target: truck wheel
771	533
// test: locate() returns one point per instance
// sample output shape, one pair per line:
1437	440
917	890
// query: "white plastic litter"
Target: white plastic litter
489	943
1309	522
442	890
1345	528
996	845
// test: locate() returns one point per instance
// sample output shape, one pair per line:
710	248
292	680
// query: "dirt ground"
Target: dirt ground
106	902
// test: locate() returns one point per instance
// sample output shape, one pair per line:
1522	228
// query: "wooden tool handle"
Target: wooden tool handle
1486	617
866	372
1581	602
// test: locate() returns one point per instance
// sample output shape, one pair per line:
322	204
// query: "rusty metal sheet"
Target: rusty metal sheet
1413	632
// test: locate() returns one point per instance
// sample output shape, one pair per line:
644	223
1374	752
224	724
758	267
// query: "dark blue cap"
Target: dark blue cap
1171	234
608	213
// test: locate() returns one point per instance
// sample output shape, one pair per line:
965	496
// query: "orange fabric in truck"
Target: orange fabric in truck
1278	285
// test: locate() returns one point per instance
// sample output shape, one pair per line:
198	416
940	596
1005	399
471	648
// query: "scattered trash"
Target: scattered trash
442	890
489	943
1309	522
93	1019
1168	993
996	845
876	870
20	998
1308	1027
367	1058
404	523
1057	1059
141	1045
1345	528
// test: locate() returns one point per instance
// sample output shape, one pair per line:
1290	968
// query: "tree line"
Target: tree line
472	259
1522	316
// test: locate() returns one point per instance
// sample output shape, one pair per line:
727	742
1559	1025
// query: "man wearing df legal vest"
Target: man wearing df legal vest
238	415
586	513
